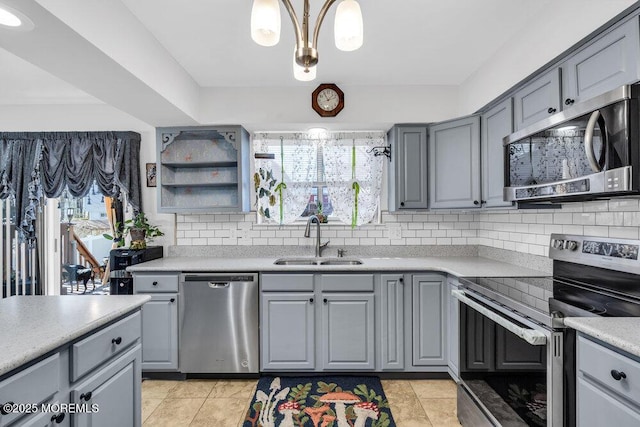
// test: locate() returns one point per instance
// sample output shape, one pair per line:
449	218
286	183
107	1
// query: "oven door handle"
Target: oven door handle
531	336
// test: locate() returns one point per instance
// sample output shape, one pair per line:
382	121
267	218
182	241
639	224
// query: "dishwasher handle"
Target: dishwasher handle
218	285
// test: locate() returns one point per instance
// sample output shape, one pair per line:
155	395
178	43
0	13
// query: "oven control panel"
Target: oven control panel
616	254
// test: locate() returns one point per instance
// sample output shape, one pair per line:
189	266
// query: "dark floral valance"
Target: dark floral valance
37	164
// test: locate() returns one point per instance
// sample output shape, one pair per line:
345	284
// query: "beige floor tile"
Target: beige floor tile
441	412
221	411
406	408
242	389
157	389
190	389
430	389
397	388
414	422
148	406
174	413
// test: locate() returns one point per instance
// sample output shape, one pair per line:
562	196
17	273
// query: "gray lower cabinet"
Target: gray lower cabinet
428	320
347	331
159	320
392	322
110	393
496	124
453	329
287	335
454	164
408	167
537	100
606	63
608	391
160	333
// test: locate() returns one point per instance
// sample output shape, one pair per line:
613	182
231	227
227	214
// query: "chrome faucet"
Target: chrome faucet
307	233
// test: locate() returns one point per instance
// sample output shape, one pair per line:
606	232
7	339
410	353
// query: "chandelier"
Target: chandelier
348	31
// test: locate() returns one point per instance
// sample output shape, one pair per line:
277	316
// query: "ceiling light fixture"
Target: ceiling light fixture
9	19
348	30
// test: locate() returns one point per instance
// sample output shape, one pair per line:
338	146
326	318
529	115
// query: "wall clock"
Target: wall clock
327	100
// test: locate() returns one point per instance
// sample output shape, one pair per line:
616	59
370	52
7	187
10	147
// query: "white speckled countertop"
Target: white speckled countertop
620	332
457	266
32	326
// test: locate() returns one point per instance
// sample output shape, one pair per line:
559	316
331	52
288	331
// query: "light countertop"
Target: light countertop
620	332
457	266
32	326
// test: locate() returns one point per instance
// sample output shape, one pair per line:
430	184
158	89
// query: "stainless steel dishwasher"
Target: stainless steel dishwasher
218	323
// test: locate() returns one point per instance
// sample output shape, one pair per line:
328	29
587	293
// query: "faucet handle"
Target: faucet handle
341	252
324	245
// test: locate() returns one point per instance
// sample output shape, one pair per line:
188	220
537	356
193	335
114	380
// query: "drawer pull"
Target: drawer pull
7	405
86	396
57	418
172	300
155	283
617	375
116	341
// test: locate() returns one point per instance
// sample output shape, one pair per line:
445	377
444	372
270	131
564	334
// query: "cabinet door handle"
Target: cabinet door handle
618	375
551	110
4	407
325	300
57	418
311	300
476	202
172	300
155	283
401	203
569	101
116	341
86	396
401	280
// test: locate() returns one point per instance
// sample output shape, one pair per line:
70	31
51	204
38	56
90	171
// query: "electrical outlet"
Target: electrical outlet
233	233
395	232
243	233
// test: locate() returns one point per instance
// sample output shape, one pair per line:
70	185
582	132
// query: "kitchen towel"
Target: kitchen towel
336	401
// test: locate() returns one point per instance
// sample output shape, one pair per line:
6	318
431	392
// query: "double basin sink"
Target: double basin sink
317	261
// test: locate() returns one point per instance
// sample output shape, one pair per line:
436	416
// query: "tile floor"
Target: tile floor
223	403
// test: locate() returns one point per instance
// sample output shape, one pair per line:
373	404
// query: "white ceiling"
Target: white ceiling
138	54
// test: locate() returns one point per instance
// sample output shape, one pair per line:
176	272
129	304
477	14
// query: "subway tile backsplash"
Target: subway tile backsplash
526	231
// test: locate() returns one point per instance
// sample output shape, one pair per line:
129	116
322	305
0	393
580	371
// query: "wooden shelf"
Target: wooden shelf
200	164
202	184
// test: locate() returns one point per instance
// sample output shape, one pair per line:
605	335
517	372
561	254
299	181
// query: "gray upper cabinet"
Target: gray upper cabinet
454	164
428	320
203	169
496	124
538	99
408	168
606	63
391	321
348	331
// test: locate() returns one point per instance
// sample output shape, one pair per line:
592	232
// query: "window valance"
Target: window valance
37	164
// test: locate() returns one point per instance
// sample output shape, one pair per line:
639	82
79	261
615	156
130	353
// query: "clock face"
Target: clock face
328	99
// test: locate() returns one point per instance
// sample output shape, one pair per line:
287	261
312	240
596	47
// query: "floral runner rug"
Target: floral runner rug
337	401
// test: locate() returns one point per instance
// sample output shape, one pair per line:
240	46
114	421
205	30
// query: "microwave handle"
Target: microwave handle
531	336
588	141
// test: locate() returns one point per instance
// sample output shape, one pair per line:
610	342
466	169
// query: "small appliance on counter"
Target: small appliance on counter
121	282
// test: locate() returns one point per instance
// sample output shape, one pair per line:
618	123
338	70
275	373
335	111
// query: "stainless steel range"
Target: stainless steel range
517	359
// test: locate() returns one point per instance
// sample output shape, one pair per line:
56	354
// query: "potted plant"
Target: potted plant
138	228
320	214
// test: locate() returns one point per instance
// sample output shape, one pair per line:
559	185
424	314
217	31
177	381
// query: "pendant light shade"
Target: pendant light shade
9	19
265	22
348	27
299	71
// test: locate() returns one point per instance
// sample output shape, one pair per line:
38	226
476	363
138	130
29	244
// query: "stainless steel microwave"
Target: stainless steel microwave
588	151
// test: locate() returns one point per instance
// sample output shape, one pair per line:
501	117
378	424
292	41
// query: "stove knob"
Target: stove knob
572	245
557	244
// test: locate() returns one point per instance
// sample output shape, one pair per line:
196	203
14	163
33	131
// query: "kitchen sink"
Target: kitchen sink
340	261
317	261
296	261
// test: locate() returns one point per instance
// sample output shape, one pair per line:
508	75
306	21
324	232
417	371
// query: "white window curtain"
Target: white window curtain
354	175
283	184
